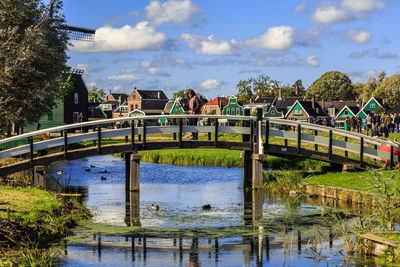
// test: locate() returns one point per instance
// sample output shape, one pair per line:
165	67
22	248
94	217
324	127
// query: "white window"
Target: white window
75	117
76	98
298	111
372	105
233	111
272	112
331	112
237	111
346	113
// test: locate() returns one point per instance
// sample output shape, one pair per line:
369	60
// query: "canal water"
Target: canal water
241	228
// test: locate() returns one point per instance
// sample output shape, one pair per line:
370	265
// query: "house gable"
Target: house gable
297	110
177	108
273	113
372	105
233	108
345	112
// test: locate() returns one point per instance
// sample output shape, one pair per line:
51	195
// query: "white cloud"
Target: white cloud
362	5
208	46
279	38
88	68
145	64
124	77
142	36
210	84
171	11
300	7
148	71
329	12
308	61
358	36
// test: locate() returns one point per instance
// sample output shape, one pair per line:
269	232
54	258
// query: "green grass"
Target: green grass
37	218
26	203
195	157
363	181
390	236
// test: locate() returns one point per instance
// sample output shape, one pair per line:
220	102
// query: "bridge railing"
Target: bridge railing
333	138
299	132
138	126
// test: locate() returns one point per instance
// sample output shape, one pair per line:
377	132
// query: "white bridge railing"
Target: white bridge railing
363	145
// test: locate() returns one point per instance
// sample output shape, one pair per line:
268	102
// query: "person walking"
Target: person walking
194	108
368	121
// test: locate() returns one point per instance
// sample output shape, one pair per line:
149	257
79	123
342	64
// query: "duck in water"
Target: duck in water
155	207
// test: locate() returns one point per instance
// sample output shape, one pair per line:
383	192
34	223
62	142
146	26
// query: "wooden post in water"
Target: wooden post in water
132	171
258	154
127	157
38	177
134	183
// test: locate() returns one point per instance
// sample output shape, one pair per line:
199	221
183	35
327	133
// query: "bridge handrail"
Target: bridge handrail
125	119
322	128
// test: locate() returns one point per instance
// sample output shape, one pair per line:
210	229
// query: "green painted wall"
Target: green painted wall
177	109
273	113
233	108
349	113
372	105
54	119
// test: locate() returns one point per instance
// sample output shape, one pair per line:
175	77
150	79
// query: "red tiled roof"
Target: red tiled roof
215	102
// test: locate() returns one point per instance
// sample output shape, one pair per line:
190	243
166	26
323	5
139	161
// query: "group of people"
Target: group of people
378	125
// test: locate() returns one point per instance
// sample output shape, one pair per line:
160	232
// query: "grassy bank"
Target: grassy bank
219	158
367	181
30	219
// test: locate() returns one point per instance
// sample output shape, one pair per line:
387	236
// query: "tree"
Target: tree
389	90
32	59
331	86
183	94
96	94
298	86
261	86
365	91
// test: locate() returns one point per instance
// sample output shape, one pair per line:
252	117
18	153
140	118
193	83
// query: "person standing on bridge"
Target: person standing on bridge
194	108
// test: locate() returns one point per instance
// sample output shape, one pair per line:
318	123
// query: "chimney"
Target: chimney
297	91
323	104
313	102
383	101
280	93
119	99
159	95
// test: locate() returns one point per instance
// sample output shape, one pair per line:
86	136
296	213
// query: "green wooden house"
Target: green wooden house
175	107
53	119
343	114
233	107
373	104
272	112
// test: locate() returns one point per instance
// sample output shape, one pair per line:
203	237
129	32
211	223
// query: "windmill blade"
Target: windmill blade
79	33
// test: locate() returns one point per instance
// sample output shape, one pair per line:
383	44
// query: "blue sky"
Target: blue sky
211	45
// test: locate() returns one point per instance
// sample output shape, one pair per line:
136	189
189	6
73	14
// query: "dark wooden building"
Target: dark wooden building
76	102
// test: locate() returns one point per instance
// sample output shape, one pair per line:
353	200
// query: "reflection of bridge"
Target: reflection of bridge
260	136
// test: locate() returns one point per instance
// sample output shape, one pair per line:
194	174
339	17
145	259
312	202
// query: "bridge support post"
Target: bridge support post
132	171
257	170
247	168
38	177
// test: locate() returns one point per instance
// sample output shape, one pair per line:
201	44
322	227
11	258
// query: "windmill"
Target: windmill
74	32
79	33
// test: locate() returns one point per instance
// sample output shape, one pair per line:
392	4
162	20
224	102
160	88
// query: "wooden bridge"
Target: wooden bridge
259	137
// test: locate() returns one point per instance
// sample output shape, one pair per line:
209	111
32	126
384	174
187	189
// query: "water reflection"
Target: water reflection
243	228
